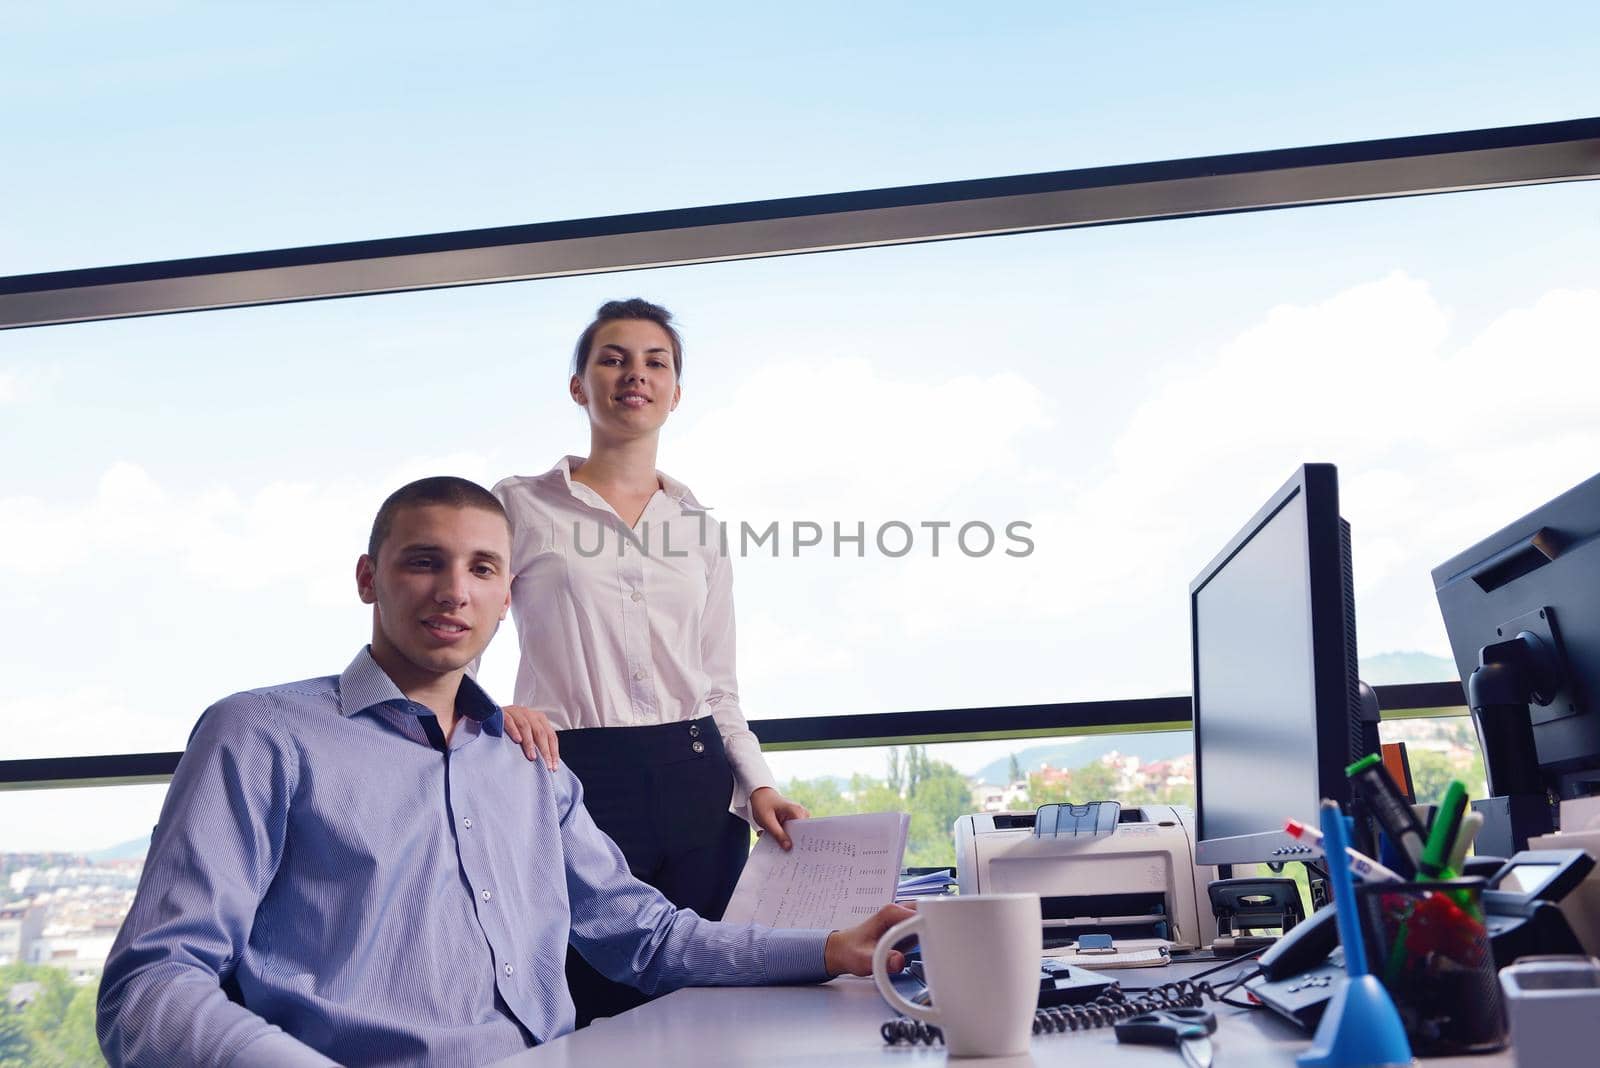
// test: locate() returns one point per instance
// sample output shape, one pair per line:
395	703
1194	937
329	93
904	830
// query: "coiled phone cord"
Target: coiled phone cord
1105	1010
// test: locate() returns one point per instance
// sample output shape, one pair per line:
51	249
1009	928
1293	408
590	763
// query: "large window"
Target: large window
186	496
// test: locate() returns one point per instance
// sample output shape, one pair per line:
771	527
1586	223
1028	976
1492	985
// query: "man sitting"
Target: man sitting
363	868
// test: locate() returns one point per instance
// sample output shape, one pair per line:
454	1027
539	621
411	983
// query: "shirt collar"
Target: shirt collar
364	684
561	474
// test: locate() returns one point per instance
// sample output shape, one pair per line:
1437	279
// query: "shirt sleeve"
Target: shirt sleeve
717	653
633	935
213	853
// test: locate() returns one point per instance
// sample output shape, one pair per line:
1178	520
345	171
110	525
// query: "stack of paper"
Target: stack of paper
929	884
841	870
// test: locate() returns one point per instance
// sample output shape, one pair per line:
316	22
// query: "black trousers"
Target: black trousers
661	793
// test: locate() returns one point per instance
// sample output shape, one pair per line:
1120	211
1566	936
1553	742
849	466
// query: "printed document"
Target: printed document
842	869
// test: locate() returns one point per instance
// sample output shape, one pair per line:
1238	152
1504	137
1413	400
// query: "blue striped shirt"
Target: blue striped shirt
366	897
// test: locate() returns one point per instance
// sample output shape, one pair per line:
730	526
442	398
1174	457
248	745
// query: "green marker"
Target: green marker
1435	863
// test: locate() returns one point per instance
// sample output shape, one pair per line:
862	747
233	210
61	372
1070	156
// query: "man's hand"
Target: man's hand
849	952
771	810
531	729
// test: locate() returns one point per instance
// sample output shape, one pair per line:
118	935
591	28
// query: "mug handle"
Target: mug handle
880	974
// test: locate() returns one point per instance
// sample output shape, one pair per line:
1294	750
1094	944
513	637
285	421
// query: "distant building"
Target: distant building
82	955
20	926
1010	798
1165	774
1052	776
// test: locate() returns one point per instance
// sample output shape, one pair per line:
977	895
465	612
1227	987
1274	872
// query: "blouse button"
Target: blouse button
637	596
638	676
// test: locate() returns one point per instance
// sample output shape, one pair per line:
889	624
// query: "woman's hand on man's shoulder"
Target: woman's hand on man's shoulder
531	729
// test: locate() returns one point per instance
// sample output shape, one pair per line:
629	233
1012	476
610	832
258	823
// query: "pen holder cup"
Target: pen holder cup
1429	945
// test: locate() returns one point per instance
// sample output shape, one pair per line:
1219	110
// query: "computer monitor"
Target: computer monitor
1522	608
1277	699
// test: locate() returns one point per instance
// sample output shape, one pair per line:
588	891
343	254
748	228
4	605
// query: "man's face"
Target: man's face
439	586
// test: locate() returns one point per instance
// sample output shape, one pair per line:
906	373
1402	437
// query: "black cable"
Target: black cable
1115	1004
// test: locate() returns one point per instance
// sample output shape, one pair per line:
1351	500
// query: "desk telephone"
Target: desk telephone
1521	909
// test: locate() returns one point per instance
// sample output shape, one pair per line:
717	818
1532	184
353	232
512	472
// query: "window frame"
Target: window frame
1256	181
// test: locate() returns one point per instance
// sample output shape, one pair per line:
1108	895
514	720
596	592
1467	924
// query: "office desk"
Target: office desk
836	1025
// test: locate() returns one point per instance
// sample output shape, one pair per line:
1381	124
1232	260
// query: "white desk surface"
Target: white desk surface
836	1025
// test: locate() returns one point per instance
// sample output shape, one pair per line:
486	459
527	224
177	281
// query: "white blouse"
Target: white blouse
623	627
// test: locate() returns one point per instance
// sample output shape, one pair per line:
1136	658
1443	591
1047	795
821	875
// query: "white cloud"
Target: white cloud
835	439
230	539
84	720
1438	442
27	384
133	607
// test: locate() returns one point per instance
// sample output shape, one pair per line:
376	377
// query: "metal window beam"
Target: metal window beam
809	732
1096	196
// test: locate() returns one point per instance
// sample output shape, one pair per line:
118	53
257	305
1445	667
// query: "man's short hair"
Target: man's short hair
439	489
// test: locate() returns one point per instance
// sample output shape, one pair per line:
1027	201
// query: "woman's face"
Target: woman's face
629	384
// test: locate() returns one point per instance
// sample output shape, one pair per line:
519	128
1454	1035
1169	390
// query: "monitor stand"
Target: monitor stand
1510	675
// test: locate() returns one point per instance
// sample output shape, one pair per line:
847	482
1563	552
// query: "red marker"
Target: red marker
1360	863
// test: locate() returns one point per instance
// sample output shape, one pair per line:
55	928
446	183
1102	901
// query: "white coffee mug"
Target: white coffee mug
980	957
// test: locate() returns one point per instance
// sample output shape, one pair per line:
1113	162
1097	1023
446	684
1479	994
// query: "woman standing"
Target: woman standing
623	600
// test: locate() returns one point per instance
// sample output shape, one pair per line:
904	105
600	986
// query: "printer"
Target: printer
1132	876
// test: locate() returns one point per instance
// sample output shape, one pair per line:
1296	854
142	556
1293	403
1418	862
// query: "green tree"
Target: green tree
1045	793
1014	770
16	1051
874	795
1093	782
57	1023
942	795
1431	772
820	796
76	1042
1180	794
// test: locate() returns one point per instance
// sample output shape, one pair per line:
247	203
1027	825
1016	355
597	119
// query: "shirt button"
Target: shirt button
638	676
637	596
698	747
466	821
487	894
509	968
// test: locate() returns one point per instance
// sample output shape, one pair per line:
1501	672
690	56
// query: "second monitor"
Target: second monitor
1277	698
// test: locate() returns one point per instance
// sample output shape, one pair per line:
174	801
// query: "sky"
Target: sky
182	498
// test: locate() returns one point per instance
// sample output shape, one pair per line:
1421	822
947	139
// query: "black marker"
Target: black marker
1389	808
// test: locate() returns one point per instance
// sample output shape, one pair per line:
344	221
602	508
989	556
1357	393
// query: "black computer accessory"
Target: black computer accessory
1189	1030
1523	623
1302	948
1521	903
1278	707
1245	905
